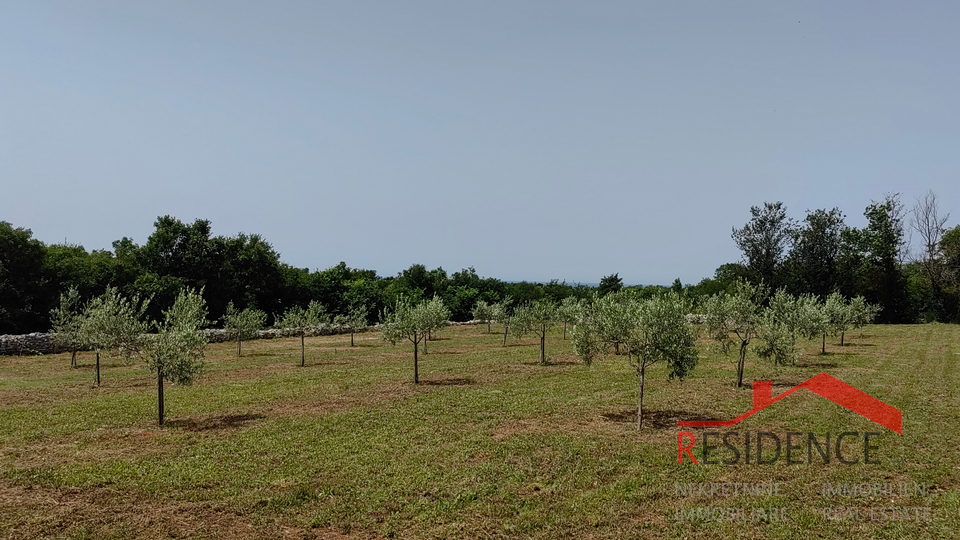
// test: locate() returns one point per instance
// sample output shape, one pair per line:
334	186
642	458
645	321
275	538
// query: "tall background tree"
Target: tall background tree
610	284
882	280
24	305
765	241
813	263
929	224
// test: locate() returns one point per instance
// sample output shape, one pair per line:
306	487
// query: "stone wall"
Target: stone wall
35	343
39	343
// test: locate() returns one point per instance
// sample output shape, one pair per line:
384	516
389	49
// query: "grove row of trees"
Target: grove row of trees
655	329
115	324
647	329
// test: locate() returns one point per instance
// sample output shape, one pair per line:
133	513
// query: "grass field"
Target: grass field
489	445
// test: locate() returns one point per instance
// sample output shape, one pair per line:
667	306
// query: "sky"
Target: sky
532	140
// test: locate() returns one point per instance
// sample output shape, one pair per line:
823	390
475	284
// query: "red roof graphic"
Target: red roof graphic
822	384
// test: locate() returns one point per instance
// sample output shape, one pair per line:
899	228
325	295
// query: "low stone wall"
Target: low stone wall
35	343
41	343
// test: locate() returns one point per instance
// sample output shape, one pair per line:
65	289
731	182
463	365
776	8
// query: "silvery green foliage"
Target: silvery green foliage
814	320
482	312
176	353
297	320
410	322
538	318
862	312
404	321
583	334
116	324
67	321
839	313
616	317
785	320
732	319
662	334
569	309
354	321
243	325
652	331
438	315
501	312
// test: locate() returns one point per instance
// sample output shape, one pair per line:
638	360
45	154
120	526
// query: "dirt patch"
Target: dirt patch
30	512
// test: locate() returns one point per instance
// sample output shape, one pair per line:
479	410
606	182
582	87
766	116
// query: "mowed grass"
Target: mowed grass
489	445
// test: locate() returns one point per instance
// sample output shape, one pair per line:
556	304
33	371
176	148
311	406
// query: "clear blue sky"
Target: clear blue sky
531	140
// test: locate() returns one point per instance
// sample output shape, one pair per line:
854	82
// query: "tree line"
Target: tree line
242	270
912	282
818	255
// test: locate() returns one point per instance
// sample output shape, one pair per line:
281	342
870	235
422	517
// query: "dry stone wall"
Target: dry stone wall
41	343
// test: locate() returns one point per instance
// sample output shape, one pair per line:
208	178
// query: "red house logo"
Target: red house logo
824	385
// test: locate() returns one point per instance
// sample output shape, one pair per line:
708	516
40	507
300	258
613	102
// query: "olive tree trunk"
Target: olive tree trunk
160	396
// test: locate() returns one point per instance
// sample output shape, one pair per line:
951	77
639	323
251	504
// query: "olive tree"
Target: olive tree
243	325
438	316
66	324
815	321
502	314
483	312
733	318
785	320
651	331
538	318
176	352
586	342
568	311
662	335
410	322
354	321
839	314
297	320
115	324
862	313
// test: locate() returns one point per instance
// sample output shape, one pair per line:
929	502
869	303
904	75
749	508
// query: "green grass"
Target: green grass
489	445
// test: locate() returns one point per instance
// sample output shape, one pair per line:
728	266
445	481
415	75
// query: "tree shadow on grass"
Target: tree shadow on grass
551	363
666	419
461	381
325	363
227	421
818	364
